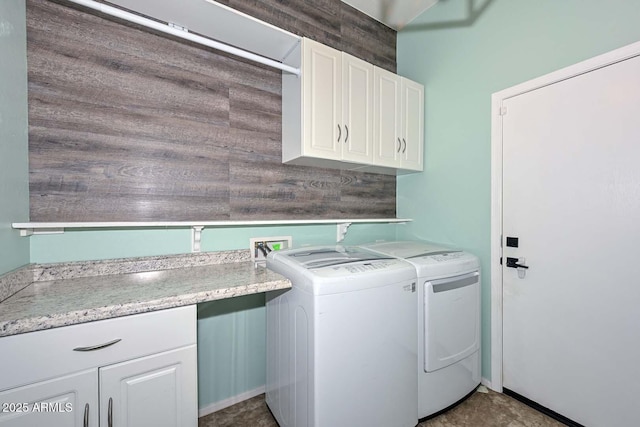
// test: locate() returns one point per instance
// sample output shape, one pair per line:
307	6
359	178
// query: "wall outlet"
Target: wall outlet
261	246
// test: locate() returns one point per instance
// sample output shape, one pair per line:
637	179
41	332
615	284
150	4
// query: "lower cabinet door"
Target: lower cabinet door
158	390
67	401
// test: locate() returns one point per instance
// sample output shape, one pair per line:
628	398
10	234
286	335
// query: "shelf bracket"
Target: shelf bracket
196	238
342	231
26	232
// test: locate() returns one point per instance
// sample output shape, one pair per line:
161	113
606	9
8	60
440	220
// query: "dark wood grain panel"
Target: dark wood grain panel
316	19
277	191
366	195
255	110
145	208
103	179
126	125
367	39
255	147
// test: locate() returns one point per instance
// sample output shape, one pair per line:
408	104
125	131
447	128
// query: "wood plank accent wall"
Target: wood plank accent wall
126	125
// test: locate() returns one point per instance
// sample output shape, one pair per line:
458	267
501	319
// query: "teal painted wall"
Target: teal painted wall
462	59
231	348
82	245
14	170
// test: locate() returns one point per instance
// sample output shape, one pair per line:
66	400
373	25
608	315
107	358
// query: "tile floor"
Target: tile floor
481	409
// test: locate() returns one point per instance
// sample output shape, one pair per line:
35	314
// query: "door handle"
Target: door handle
339	133
98	346
513	263
110	413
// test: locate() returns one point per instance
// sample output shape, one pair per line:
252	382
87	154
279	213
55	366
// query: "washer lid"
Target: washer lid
330	256
327	270
409	249
429	259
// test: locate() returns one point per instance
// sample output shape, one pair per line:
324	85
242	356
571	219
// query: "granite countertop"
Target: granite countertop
68	294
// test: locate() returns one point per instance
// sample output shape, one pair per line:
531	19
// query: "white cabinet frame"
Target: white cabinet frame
345	113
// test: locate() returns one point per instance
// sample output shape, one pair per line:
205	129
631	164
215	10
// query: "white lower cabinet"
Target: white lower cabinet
60	402
150	391
134	371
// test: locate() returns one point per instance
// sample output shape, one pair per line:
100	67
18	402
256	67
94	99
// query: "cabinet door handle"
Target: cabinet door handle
110	413
405	146
339	133
346	137
399	144
86	416
97	346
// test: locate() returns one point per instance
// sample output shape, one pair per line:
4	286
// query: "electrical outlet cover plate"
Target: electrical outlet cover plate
276	243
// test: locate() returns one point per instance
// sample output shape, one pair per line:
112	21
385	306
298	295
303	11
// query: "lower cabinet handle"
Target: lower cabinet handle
110	413
339	133
97	346
86	415
346	137
399	145
405	146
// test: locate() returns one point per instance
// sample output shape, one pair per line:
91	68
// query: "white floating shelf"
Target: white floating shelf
31	228
34	226
208	23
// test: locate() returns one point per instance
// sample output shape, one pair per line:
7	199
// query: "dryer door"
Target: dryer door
451	320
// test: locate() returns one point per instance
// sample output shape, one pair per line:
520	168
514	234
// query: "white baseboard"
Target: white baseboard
216	406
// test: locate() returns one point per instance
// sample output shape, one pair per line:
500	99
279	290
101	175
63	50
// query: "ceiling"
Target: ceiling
393	13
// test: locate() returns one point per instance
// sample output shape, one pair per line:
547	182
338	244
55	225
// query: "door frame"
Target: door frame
497	99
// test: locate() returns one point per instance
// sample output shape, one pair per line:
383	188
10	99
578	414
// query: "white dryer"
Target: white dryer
448	321
341	343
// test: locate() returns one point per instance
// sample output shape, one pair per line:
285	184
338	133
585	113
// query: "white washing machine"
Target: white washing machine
448	321
342	342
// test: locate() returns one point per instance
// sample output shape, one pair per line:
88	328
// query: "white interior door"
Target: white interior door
571	195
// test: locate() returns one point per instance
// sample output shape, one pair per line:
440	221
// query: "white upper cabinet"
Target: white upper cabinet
322	108
343	112
328	111
357	110
398	121
387	119
412	124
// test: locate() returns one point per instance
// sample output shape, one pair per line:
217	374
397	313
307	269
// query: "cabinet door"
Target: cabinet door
412	125
158	390
59	402
322	101
357	96
387	119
